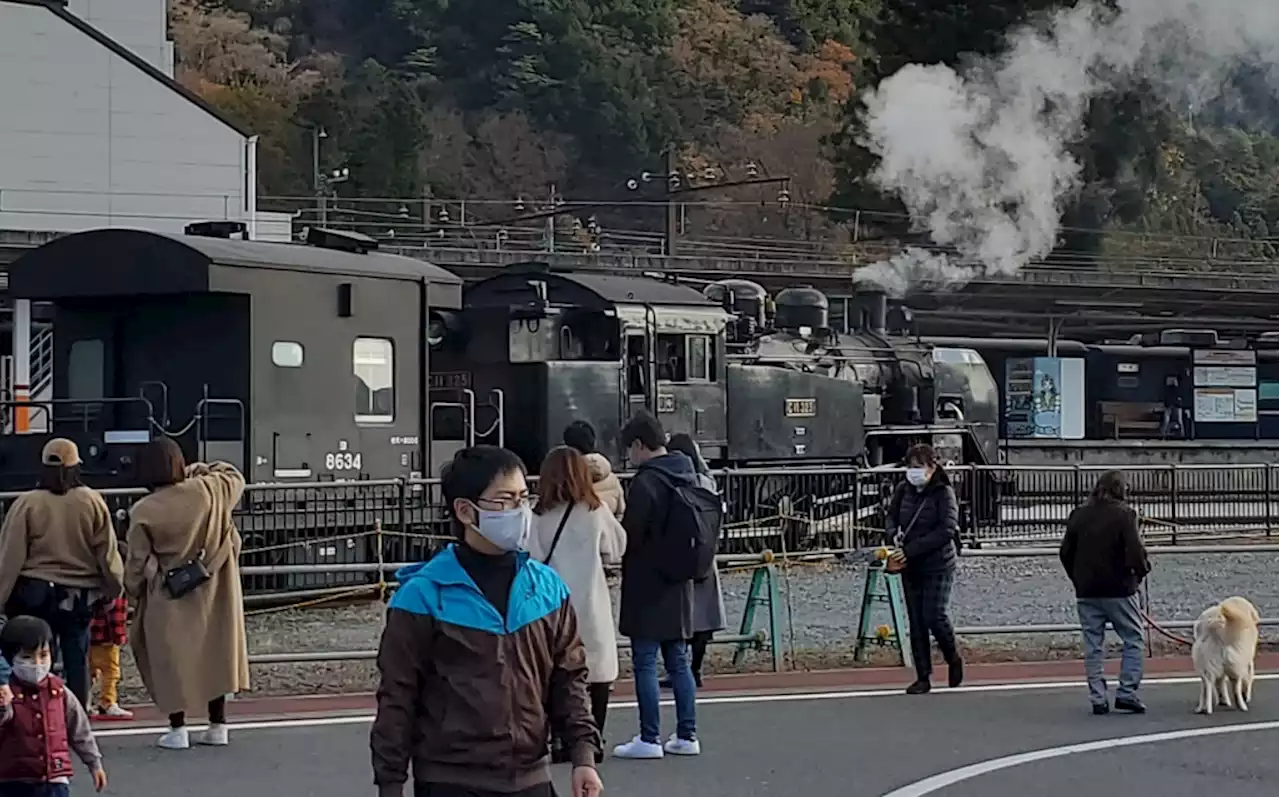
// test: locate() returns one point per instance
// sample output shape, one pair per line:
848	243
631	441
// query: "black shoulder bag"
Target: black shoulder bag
186	577
559	530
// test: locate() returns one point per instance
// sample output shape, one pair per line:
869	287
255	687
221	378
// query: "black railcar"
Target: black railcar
293	362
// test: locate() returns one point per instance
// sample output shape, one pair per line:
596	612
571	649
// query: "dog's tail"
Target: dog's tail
1238	613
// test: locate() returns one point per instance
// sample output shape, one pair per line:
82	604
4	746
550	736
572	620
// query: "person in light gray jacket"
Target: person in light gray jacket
708	601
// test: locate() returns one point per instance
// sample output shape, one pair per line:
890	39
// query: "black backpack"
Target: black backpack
686	549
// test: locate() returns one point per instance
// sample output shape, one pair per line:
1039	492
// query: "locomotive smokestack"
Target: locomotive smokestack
872	306
877	312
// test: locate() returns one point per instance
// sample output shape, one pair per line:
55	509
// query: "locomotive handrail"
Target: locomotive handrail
500	403
46	406
471	415
203	428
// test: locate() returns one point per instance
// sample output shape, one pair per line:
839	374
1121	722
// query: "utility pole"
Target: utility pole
551	222
317	179
671	227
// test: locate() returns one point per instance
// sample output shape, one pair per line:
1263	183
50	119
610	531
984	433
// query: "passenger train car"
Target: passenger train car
292	362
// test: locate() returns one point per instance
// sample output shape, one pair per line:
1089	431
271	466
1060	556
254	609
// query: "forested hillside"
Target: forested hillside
493	99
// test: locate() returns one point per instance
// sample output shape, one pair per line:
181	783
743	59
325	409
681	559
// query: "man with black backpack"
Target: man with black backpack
672	526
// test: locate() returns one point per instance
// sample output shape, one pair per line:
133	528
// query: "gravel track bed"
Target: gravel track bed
823	604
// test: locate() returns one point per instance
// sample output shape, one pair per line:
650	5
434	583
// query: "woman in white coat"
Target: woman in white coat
576	535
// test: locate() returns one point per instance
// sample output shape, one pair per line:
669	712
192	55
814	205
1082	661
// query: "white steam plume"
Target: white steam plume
980	158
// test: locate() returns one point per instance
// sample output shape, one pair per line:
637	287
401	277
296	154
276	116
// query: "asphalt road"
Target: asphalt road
879	743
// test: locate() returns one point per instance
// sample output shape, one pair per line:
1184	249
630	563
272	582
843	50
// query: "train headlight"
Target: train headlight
436	331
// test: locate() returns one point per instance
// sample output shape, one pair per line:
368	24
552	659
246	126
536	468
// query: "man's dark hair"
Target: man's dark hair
161	463
1110	486
582	436
24	633
472	471
644	427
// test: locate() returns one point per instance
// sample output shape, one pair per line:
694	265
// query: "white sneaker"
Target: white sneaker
213	736
113	712
175	739
677	746
638	748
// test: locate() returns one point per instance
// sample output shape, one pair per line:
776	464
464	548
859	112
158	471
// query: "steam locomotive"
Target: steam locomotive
757	382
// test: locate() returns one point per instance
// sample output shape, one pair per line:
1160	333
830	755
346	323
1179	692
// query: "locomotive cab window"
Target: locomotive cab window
286	354
373	362
699	358
635	365
671	358
686	358
86	364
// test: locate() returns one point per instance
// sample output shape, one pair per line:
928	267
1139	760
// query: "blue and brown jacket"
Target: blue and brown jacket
469	696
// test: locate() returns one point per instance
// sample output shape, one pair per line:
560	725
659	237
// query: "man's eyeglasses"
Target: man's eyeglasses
503	503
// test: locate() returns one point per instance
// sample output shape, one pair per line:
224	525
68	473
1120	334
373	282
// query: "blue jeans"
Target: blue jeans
1123	615
12	788
644	660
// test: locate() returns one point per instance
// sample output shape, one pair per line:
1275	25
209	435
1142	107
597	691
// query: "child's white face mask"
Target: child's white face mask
29	670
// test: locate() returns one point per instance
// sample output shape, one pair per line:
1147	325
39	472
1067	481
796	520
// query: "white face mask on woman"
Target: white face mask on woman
918	477
508	529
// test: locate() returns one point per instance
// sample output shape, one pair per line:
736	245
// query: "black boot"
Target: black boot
955	672
1130	704
920	687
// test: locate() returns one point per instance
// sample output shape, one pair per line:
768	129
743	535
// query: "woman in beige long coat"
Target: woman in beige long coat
190	650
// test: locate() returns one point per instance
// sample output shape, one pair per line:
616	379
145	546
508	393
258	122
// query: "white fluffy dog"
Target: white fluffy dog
1226	641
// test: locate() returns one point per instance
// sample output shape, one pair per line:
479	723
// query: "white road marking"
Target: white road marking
944	779
356	719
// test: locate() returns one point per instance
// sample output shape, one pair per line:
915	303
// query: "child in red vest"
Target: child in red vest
43	721
108	630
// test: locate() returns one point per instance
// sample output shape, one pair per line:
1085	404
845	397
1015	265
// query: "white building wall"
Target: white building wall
140	25
89	139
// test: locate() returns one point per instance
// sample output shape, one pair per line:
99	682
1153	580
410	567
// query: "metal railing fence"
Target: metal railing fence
349	526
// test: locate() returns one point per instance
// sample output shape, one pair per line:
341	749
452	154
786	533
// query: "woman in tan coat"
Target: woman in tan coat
58	557
191	650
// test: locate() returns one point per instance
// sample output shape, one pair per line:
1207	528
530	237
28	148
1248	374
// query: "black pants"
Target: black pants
928	596
67	611
600	703
599	694
450	790
217	714
698	651
17	789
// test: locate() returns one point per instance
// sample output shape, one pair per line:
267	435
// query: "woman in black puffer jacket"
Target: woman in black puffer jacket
923	521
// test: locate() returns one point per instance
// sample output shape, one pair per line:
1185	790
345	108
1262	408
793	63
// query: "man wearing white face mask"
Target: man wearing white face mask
481	655
923	523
